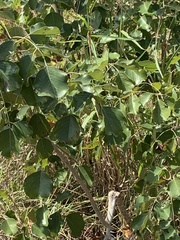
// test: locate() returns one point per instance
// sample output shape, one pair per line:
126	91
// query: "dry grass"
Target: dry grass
108	175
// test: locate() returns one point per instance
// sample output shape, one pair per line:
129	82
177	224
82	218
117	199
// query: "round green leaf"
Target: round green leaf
44	148
66	130
38	184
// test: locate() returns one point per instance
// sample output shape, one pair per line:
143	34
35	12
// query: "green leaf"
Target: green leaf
148	65
55	222
156	85
67	130
33	4
40	125
75	223
80	99
60	110
133	104
38	184
174	189
163	212
6	49
17	31
97	75
9	73
21	130
44	148
7	14
22	112
143	23
51	82
161	112
139	222
145	97
54	19
9	143
86	174
60	177
27	67
137	76
123	82
29	94
9	226
42	215
41	232
114	121
42	29
144	8
63	196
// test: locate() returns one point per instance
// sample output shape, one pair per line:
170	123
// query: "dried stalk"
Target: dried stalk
112	196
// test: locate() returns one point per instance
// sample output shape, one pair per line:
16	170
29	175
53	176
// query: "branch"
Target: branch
65	159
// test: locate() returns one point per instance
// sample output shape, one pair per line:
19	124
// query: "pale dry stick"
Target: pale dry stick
112	196
65	159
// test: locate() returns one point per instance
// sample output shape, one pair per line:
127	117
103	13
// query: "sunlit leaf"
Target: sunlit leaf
174	189
144	7
133	104
143	23
42	215
86	174
9	226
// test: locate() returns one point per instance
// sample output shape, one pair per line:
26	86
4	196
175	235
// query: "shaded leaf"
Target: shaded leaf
9	73
67	130
44	148
114	121
139	222
38	184
40	125
54	19
51	82
27	67
22	130
75	223
80	99
6	49
55	222
9	143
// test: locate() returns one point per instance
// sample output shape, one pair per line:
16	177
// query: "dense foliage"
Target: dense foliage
94	77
